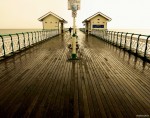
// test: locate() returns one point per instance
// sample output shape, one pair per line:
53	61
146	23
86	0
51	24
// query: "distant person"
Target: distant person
70	29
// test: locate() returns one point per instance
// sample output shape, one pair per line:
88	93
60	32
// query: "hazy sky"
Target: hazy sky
124	13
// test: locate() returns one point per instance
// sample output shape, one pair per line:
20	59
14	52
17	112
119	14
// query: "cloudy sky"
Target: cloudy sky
124	13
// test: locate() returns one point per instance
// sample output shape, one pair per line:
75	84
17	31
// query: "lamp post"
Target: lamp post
74	6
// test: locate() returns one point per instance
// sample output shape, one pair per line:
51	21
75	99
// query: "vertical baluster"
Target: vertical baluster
18	41
46	34
28	38
35	37
121	39
24	39
145	52
42	36
137	46
114	38
111	37
32	38
49	33
125	40
52	32
38	36
12	46
131	41
106	35
3	45
117	38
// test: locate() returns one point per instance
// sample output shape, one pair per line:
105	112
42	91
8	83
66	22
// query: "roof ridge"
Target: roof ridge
98	13
48	13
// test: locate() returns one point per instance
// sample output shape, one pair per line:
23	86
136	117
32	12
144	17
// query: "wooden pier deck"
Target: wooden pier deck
106	82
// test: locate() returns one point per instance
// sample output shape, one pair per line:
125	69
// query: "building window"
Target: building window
103	22
45	22
98	26
98	19
55	22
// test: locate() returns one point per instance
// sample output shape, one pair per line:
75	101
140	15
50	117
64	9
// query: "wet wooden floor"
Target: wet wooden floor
106	82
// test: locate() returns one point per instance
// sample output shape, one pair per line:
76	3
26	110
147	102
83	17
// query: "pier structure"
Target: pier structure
38	80
108	78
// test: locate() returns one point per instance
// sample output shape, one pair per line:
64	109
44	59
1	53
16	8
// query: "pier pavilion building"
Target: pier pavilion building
96	21
52	21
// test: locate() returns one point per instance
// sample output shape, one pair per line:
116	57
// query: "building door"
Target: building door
62	27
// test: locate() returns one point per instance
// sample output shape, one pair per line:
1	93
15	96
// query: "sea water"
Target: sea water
136	31
13	31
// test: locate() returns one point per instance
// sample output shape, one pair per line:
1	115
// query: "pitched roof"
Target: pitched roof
98	13
51	13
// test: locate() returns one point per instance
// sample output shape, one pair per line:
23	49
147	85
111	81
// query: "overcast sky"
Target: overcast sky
124	13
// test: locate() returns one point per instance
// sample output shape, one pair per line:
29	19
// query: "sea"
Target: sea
13	31
136	31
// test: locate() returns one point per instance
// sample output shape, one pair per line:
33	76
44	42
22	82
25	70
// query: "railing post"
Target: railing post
38	36
106	35
121	39
32	38
24	39
131	41
35	37
114	38
28	38
125	40
18	41
12	47
111	37
145	53
117	38
137	46
3	45
43	35
46	34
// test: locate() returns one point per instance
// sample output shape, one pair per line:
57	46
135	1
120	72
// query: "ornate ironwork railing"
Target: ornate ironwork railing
12	43
137	44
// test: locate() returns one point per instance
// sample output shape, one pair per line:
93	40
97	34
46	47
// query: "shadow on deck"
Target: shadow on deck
105	82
